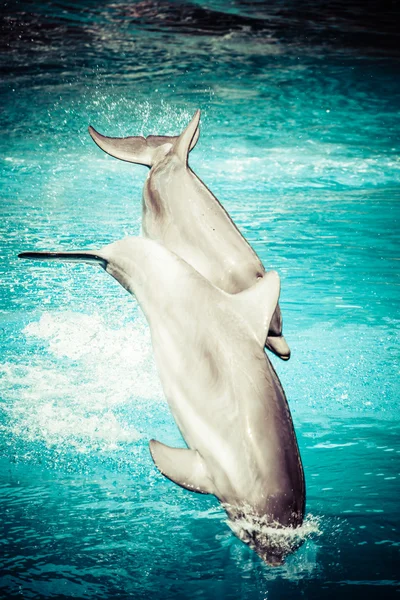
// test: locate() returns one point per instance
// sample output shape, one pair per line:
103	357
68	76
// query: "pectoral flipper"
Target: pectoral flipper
182	466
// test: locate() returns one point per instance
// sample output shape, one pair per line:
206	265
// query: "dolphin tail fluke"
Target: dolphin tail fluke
182	466
89	257
130	149
188	138
140	150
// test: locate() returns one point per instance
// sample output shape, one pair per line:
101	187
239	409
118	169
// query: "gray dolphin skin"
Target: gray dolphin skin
221	387
183	214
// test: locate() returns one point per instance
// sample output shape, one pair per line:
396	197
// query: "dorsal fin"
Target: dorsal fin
257	304
184	142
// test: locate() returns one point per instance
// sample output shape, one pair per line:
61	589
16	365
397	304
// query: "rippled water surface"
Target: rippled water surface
300	141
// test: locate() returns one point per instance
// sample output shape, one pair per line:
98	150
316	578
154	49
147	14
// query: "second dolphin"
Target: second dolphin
182	213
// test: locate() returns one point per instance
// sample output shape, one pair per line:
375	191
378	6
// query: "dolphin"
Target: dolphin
182	213
223	392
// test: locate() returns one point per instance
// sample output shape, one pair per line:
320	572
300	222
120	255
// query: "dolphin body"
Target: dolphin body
221	387
183	214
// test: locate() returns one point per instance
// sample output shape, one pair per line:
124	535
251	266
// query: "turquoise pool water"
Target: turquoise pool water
300	141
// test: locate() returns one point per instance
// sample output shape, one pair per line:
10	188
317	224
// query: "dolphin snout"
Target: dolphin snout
275	546
272	559
270	542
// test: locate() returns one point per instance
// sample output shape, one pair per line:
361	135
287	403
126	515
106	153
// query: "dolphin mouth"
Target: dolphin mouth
272	541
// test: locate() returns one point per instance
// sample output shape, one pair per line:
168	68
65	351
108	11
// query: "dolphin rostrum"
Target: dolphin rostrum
183	214
221	387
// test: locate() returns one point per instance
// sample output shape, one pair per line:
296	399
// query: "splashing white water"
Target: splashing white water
74	393
118	362
284	539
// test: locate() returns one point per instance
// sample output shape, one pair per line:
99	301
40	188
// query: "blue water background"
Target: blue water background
300	142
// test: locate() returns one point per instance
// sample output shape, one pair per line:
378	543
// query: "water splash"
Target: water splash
80	389
280	541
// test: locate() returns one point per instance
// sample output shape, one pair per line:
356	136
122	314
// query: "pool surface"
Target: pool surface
300	142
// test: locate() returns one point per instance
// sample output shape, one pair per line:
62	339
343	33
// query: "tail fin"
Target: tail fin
187	140
138	149
89	257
